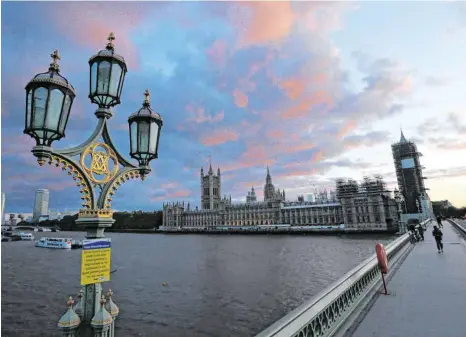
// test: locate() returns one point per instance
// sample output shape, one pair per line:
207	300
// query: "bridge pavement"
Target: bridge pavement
427	293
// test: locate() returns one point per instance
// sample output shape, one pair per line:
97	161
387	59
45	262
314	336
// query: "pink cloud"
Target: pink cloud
304	107
317	156
267	22
348	127
298	147
276	134
93	21
172	195
294	88
240	99
255	155
218	137
217	52
248	184
297	173
60	186
198	115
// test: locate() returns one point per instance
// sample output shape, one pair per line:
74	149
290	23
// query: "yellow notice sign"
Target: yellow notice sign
95	261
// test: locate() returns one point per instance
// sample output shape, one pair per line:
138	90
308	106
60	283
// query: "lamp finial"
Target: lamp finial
147	95
111	38
55	57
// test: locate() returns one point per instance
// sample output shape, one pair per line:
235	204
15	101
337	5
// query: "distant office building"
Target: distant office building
409	175
310	197
41	204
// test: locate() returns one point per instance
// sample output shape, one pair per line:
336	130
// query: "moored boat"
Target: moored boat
26	236
58	243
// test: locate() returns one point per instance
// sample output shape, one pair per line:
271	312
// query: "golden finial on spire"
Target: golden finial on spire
55	57
70	302
111	38
147	94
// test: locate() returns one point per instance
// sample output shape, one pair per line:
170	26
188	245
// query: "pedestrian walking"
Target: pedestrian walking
439	221
438	235
421	232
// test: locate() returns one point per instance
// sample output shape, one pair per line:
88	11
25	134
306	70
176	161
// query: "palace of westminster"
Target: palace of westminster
359	206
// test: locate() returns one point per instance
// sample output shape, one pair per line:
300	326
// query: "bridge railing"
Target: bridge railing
460	228
324	314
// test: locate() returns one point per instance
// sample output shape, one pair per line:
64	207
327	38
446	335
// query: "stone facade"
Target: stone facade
311	214
365	207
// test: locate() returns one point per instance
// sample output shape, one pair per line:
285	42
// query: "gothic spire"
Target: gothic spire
268	178
402	138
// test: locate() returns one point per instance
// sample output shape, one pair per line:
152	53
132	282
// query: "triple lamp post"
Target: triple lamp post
95	164
402	224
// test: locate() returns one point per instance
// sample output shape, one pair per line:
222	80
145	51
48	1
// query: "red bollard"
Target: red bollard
383	263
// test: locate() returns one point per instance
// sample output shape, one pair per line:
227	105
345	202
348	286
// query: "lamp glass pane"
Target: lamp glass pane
54	109
134	134
115	80
104	77
122	79
66	114
154	130
28	109
93	77
40	100
143	137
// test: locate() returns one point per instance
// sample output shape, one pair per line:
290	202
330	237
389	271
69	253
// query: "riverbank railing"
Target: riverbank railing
326	313
460	228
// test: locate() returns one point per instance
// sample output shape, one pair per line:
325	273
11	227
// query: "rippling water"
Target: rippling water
219	285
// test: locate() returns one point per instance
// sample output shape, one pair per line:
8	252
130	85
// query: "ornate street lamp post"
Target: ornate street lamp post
95	164
398	205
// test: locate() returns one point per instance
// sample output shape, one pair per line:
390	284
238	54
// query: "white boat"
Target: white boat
26	236
59	243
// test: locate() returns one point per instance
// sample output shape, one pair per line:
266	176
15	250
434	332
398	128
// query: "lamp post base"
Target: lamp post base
91	300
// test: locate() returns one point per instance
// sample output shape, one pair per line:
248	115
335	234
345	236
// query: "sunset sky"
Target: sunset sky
315	90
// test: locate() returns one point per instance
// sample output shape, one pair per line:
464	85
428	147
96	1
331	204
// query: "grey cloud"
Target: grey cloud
452	172
368	139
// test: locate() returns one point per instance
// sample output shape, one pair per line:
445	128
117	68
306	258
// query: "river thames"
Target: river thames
218	285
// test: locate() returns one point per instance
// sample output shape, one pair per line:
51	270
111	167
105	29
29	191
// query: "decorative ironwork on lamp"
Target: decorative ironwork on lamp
49	97
107	74
144	133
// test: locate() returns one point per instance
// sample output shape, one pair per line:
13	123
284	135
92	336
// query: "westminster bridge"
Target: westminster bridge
426	294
